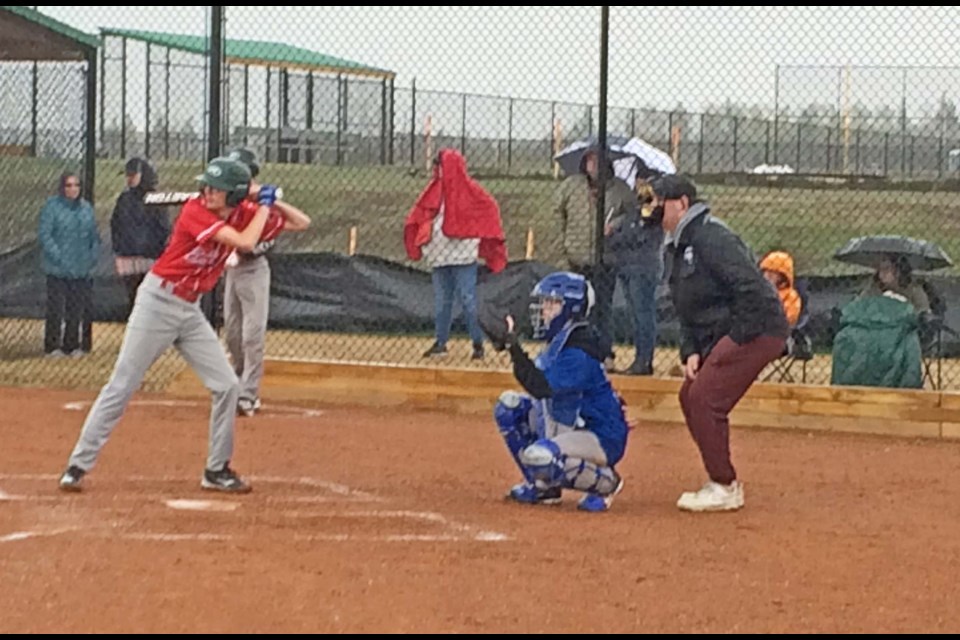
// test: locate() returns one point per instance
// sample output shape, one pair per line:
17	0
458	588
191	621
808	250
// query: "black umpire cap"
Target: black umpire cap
674	187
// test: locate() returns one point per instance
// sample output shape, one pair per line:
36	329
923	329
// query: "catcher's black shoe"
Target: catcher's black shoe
72	479
225	480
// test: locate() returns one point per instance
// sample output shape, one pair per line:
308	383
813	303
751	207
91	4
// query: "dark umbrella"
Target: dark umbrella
869	251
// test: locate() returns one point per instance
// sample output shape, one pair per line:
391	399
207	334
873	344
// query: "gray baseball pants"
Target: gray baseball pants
160	320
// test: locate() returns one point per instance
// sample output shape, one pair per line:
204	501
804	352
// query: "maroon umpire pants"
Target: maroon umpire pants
724	378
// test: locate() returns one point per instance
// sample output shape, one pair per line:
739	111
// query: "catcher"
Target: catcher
569	429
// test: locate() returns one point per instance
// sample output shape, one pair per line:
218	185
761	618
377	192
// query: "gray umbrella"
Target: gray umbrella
868	251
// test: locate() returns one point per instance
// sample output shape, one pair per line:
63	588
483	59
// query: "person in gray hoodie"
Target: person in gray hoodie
575	204
70	246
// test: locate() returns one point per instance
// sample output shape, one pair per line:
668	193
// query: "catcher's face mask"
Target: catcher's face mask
543	312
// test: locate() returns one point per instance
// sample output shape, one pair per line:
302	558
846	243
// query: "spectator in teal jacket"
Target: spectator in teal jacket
71	245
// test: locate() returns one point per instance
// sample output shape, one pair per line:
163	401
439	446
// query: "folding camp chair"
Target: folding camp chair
799	349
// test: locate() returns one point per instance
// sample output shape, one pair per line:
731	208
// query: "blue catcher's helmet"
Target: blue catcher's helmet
573	290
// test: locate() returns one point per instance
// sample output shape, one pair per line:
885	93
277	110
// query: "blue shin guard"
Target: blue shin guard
512	415
544	463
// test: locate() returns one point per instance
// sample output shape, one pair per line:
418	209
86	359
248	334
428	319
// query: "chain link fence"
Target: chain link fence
805	127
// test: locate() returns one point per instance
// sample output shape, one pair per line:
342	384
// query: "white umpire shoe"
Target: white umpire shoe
713	497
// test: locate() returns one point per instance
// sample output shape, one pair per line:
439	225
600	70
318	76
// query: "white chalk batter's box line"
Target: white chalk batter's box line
266	411
450	530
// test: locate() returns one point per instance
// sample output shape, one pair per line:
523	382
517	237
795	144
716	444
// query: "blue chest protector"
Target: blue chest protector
582	395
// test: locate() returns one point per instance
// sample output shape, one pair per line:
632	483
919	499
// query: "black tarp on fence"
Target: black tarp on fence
336	293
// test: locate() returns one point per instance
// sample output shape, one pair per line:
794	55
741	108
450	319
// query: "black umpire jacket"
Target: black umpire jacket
717	287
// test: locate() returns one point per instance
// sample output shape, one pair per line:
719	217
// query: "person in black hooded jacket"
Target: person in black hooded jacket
732	325
139	235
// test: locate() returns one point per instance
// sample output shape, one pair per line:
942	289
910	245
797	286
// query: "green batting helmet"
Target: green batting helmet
226	174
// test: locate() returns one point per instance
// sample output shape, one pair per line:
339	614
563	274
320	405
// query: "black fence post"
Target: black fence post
216	78
384	127
166	107
776	139
913	139
602	159
463	126
246	105
669	132
90	155
703	128
940	153
103	93
266	123
393	119
340	114
413	124
766	144
146	107
829	149
216	60
510	138
280	102
285	95
736	142
886	154
776	116
123	98
34	108
553	130
799	143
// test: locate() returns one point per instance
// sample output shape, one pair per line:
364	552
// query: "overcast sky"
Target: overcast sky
660	56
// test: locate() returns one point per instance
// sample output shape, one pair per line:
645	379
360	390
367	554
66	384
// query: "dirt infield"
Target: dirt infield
385	521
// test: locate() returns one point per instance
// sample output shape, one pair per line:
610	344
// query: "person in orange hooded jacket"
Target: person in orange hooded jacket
777	267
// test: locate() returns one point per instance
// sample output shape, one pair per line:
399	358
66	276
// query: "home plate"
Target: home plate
202	505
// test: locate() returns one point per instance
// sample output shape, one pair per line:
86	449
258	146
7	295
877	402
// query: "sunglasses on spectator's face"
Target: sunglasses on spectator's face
72	184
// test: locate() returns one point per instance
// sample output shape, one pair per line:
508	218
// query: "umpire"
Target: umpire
731	327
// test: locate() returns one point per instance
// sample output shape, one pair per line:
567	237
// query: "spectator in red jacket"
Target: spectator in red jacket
453	223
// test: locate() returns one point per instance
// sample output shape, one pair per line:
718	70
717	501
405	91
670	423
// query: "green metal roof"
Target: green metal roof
273	54
61	29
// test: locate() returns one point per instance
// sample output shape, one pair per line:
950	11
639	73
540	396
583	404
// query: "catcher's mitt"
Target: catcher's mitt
494	323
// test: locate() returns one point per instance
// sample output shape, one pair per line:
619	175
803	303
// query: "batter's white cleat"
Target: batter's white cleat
72	480
713	497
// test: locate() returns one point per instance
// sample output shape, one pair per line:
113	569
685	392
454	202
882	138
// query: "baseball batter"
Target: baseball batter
246	304
167	313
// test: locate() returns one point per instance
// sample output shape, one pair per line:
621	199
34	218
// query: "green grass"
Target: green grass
811	224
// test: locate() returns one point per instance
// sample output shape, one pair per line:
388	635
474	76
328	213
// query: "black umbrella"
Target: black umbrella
869	251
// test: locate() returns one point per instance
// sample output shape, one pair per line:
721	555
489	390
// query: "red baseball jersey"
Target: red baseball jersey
193	261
